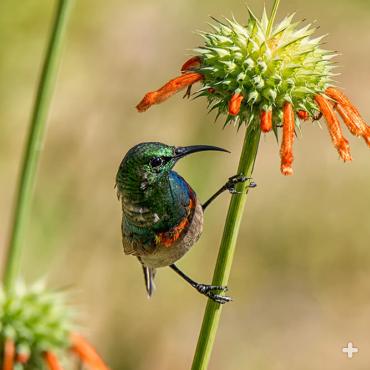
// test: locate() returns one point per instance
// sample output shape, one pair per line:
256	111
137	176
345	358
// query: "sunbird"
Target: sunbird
162	218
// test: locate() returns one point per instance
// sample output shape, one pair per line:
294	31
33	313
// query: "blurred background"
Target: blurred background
301	275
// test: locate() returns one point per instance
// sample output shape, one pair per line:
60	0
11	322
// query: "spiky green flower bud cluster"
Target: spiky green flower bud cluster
267	67
36	320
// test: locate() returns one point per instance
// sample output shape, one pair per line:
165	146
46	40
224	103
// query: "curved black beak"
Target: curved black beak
182	151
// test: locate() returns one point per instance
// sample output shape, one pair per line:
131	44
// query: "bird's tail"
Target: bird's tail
149	274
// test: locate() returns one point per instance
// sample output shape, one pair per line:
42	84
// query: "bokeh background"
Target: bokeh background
301	276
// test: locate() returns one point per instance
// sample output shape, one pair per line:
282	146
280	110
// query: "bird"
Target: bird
162	217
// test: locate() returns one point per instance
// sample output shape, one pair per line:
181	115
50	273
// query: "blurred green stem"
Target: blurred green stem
226	253
34	144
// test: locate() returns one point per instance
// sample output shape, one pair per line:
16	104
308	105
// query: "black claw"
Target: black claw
208	290
237	179
205	288
221	299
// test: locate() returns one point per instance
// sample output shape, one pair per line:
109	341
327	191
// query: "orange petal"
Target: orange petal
350	115
169	89
190	64
339	97
352	123
347	118
9	353
304	115
52	361
86	352
286	150
333	125
22	358
266	120
235	103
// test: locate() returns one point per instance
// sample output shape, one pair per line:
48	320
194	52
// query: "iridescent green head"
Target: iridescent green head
148	163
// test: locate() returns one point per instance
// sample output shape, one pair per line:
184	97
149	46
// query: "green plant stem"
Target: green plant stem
34	144
227	248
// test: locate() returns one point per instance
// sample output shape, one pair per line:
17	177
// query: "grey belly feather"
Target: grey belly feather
163	256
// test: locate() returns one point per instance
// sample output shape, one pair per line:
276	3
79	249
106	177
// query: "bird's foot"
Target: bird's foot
208	291
238	179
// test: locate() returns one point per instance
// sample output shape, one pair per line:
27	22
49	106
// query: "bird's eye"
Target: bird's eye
156	162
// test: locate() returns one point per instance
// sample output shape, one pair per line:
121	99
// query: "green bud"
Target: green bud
269	67
252	97
249	63
36	319
258	81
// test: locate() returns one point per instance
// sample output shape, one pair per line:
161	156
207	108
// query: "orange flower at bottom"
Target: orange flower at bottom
86	352
286	151
79	346
52	361
9	353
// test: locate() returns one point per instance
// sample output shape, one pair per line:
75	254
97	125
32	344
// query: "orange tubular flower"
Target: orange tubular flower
235	103
266	120
52	361
347	119
350	115
286	151
87	353
334	128
191	64
170	88
9	353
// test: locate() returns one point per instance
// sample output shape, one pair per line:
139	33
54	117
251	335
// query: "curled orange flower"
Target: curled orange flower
170	88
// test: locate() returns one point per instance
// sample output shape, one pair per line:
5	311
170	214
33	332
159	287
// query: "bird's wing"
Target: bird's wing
137	243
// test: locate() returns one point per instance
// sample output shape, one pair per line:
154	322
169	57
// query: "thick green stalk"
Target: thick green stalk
34	144
226	253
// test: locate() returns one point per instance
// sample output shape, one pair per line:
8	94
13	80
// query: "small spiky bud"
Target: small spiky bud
267	77
36	329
